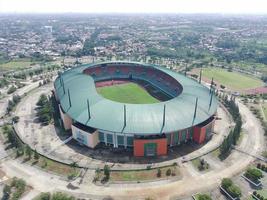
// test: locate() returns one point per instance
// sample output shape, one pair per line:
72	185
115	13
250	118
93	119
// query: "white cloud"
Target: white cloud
133	6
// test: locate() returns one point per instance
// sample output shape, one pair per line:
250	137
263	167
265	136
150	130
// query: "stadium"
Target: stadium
143	107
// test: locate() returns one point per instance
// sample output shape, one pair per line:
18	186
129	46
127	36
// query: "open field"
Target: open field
232	80
16	64
127	93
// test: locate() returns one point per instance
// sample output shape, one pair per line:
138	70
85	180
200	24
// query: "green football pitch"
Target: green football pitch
127	93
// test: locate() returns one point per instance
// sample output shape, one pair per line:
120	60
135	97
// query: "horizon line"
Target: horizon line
163	13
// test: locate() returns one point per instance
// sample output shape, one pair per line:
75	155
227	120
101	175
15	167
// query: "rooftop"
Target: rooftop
141	119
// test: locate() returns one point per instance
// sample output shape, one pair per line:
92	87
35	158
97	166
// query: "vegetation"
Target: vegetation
253	174
200	164
203	197
11	89
139	175
263	167
13	102
55	196
229	79
234	134
228	185
44	109
15	189
107	172
127	93
4	82
11	136
260	194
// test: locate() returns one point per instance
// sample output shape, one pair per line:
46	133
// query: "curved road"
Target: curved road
252	142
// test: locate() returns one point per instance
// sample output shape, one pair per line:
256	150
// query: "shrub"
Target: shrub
226	183
204	197
44	196
61	196
36	156
11	89
168	172
159	172
107	172
253	174
258	165
234	191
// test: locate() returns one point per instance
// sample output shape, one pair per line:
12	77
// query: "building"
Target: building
186	111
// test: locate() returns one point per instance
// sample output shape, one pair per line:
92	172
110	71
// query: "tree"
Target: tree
36	155
15	119
28	151
168	172
159	172
42	100
11	89
107	172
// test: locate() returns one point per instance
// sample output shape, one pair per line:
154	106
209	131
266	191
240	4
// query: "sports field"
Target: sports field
232	80
127	93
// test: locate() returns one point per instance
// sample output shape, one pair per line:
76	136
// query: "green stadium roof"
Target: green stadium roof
141	119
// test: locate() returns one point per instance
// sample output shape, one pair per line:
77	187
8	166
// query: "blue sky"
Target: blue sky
134	6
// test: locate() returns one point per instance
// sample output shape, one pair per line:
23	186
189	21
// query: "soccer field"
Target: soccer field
233	80
127	93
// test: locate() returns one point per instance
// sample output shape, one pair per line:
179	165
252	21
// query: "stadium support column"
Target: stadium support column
163	118
195	113
200	75
69	97
124	125
164	115
88	109
211	85
211	97
124	108
63	85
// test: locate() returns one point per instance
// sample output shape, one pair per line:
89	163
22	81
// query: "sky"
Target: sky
134	6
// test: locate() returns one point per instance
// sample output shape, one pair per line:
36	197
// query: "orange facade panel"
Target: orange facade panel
158	145
199	134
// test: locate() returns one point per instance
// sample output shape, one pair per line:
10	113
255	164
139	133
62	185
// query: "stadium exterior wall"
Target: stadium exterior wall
85	138
158	147
67	121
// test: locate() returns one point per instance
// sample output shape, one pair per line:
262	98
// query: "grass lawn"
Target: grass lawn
55	167
127	93
143	175
261	192
232	80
